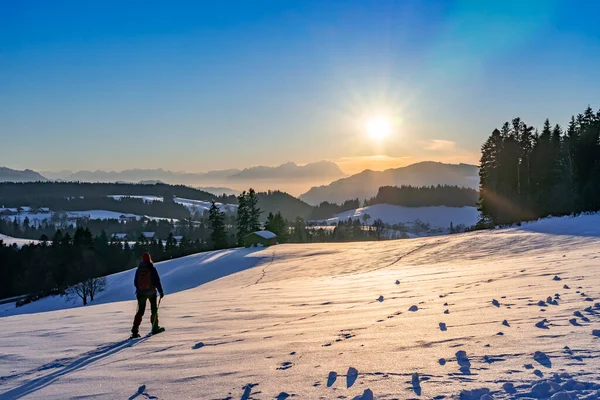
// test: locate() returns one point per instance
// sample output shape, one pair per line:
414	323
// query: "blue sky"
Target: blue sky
205	85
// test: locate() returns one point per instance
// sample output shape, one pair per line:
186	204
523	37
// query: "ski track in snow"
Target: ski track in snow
321	321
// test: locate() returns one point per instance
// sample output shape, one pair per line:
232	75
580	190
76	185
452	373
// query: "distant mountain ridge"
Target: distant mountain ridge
13	175
365	185
321	169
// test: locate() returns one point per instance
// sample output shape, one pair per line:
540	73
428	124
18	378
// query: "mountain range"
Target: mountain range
365	185
13	175
288	171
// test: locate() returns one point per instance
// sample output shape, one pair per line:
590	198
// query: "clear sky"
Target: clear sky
202	85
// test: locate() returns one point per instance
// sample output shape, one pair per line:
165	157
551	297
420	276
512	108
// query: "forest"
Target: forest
526	174
426	196
74	264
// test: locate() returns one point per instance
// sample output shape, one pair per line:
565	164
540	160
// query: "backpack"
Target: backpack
144	278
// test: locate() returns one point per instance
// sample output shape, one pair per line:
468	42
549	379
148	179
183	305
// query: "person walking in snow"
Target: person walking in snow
146	282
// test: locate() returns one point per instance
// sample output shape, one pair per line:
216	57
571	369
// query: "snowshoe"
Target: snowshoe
157	331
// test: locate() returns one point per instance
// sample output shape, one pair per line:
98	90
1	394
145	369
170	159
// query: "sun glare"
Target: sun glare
379	128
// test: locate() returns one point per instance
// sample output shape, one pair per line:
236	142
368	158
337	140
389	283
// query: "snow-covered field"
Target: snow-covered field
192	205
499	314
147	199
201	206
9	240
36	218
439	217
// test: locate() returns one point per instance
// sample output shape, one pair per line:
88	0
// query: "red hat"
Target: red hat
146	257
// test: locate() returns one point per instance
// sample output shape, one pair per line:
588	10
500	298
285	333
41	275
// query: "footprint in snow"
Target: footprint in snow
198	345
282	396
596	332
505	323
447	312
509	388
397	282
543	359
331	378
496	303
380	299
351	376
556	278
416	384
566	287
542	324
442	361
463	362
285	365
573	321
413	308
443	327
367	395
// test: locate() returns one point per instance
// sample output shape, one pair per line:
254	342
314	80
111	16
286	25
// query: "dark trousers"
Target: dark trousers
142	308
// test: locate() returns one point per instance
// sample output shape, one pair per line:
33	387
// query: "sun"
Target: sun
378	128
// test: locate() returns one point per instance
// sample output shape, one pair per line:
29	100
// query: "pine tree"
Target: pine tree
243	218
218	235
277	224
253	211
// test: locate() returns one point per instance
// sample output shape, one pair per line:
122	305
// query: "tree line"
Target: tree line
74	265
426	196
526	174
14	194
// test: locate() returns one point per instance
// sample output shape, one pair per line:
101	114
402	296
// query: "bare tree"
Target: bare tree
89	283
86	289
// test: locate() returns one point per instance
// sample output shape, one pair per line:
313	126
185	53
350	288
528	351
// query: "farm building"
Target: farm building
264	238
119	236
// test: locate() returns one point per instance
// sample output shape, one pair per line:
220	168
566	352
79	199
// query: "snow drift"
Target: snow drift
499	314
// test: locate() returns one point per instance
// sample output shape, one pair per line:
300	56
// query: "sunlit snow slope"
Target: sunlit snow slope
9	240
513	313
439	217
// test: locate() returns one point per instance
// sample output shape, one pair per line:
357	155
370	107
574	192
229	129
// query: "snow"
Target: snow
201	206
333	321
265	234
439	217
192	205
9	240
147	198
36	218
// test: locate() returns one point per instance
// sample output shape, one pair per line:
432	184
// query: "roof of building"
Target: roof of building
148	234
120	235
265	234
25	208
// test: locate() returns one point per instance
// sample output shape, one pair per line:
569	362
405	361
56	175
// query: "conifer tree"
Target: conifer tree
218	235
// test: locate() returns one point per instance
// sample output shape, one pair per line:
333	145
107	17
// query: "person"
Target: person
146	282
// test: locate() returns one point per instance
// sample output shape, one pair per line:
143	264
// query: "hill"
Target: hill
506	313
366	184
12	175
134	198
436	216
